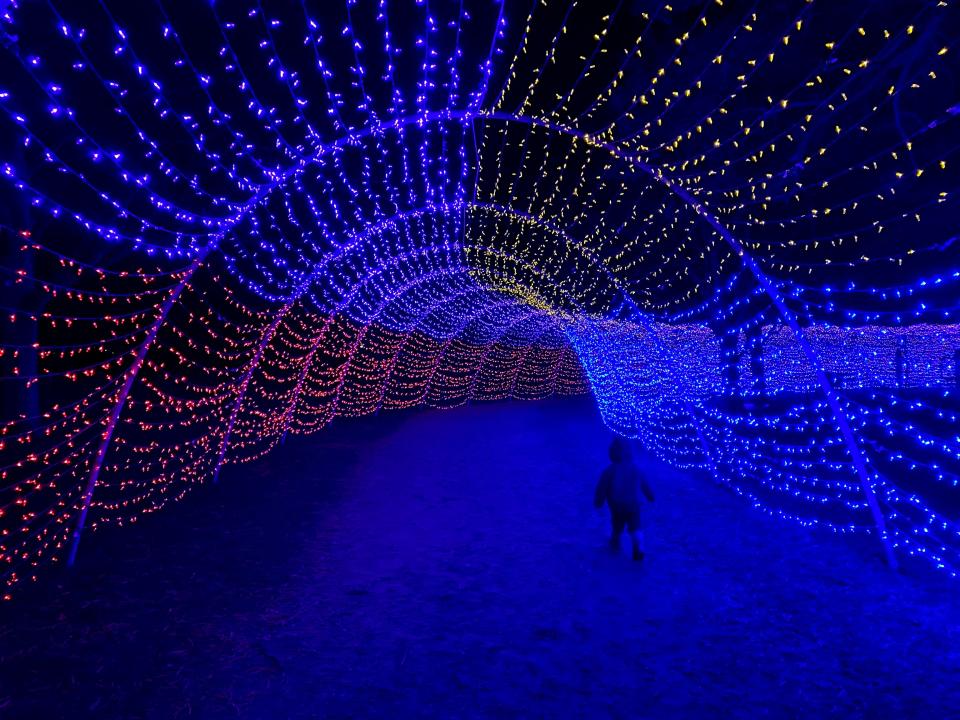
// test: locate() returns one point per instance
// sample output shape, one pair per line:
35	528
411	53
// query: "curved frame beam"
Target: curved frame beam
121	403
833	398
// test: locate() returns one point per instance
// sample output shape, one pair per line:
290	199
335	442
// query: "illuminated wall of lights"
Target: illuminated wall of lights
733	222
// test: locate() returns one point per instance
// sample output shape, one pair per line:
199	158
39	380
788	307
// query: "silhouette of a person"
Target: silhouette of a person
901	362
620	487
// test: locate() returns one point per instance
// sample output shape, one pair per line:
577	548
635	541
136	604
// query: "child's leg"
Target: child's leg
616	530
636	536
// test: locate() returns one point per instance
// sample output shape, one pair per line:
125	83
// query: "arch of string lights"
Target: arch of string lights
734	222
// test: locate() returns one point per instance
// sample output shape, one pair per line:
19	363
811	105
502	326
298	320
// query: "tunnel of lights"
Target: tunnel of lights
734	223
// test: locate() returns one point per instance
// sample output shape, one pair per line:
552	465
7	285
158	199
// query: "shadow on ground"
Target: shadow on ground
449	564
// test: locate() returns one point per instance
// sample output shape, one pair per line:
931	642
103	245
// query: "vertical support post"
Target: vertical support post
729	360
755	348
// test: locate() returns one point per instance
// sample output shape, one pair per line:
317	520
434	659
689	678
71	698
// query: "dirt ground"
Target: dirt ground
450	565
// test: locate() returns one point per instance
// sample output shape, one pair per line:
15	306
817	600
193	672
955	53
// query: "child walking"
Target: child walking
620	487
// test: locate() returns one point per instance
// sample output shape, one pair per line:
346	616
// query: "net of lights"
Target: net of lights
732	222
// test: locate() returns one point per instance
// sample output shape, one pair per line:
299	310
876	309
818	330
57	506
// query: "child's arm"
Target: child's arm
645	488
603	488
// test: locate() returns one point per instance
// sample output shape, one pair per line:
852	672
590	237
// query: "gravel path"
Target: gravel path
449	564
